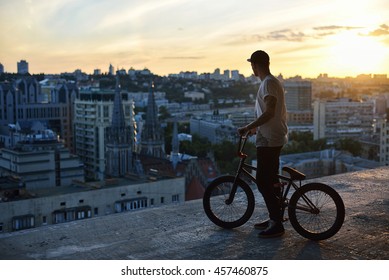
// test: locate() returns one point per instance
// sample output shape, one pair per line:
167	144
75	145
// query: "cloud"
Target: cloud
277	35
335	27
287	35
328	30
292	35
381	31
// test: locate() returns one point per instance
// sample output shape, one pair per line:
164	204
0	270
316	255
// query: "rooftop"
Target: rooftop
183	231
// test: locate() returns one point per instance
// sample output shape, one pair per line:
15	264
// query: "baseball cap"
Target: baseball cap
260	57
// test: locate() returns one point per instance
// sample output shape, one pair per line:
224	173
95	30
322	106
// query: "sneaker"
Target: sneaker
262	226
274	229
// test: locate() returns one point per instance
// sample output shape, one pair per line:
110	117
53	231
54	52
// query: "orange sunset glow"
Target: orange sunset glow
303	37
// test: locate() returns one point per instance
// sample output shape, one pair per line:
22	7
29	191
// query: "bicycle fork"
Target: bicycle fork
234	188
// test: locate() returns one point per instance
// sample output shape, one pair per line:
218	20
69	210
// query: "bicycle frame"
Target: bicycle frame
246	168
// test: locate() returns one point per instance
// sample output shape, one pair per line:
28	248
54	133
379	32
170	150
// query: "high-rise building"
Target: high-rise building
235	75
1	68
298	95
298	99
111	70
22	67
93	113
342	118
226	75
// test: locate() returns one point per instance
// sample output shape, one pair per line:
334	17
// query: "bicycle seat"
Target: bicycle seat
294	174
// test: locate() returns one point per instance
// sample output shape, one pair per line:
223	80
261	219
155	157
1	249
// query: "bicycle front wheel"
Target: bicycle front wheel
222	212
316	211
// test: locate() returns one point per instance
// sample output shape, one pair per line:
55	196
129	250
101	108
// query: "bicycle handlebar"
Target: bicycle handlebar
242	144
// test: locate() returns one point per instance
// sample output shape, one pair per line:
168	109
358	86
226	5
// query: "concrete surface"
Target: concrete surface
184	232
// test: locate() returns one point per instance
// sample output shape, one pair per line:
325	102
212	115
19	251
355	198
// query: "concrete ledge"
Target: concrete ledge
184	232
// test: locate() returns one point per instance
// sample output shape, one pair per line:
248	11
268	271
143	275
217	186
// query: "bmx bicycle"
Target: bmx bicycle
315	210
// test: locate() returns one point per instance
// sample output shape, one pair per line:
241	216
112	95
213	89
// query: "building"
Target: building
235	75
40	160
298	95
111	70
152	136
1	69
342	118
298	98
220	127
23	100
119	140
298	118
326	162
22	67
240	118
93	113
384	141
87	200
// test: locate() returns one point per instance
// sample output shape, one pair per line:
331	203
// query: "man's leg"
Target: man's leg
267	169
268	164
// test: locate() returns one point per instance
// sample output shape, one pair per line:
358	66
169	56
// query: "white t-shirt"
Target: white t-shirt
274	133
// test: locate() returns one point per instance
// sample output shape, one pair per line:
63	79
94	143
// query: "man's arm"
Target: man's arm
270	102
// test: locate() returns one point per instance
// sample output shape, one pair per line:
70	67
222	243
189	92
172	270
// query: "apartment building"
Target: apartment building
22	67
298	99
342	118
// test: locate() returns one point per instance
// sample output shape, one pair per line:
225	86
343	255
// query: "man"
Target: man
271	135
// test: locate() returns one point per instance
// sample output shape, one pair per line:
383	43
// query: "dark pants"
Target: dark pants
268	163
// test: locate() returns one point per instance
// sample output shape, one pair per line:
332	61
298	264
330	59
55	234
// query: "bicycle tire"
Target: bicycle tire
323	224
228	215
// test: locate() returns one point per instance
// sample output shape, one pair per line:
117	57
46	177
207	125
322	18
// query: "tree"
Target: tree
350	145
301	142
197	147
226	155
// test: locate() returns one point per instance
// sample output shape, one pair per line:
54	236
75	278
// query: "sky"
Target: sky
303	37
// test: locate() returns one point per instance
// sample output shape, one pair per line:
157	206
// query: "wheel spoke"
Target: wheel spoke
231	214
316	211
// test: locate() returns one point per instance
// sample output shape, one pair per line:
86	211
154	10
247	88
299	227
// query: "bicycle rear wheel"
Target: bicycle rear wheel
316	211
222	213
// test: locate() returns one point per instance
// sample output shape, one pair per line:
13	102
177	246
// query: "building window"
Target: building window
175	198
71	214
131	204
23	222
162	200
96	211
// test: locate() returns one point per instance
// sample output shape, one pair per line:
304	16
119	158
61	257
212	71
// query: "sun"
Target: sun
352	54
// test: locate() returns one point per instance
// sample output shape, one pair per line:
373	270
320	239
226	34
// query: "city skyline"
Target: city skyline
341	38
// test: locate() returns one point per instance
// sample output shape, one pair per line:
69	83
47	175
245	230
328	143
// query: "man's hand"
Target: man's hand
244	129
